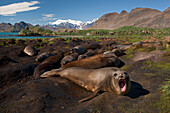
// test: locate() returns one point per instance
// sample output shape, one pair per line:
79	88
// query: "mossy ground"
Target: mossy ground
157	71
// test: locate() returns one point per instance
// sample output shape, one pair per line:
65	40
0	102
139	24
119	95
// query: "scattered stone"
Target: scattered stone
122	47
138	44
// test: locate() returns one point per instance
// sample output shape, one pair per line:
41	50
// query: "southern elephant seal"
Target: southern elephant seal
48	64
87	54
78	49
30	50
110	79
107	59
69	58
40	58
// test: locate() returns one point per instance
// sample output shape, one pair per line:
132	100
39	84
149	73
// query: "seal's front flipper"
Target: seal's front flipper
91	96
51	73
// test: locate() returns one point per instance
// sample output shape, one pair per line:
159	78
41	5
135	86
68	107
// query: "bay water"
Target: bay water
15	35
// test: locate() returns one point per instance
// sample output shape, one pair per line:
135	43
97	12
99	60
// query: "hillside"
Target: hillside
125	31
7	27
139	17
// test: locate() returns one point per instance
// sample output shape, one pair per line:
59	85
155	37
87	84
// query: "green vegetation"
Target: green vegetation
167	52
35	31
159	65
164	103
50	42
126	31
122	31
26	32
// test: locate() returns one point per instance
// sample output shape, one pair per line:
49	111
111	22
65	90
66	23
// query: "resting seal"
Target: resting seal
48	64
78	49
30	50
107	59
69	58
109	79
40	58
87	54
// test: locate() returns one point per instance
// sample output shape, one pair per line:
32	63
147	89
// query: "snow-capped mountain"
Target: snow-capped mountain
72	24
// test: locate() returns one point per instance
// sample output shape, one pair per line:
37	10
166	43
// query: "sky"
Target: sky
44	11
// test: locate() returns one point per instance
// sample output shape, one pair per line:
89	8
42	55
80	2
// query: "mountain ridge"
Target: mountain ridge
53	26
139	17
72	24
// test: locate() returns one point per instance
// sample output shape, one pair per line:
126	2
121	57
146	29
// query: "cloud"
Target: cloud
11	19
48	17
12	9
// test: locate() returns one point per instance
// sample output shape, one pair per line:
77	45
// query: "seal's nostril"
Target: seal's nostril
121	76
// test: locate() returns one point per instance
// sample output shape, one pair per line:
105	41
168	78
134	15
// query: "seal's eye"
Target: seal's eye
115	74
126	73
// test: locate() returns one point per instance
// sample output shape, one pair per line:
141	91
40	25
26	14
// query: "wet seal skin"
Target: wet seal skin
109	79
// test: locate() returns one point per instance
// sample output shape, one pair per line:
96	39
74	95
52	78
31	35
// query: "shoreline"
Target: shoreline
28	37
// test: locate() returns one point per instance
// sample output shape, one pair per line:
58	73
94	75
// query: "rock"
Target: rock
139	43
123	47
69	58
30	50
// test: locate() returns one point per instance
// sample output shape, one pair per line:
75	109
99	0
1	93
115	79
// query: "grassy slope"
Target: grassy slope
122	31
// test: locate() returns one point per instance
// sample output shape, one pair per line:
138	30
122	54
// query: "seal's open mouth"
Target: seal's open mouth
122	85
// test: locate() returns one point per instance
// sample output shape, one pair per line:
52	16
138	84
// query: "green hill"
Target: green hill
126	31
